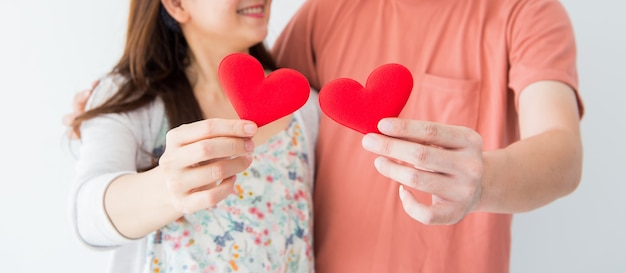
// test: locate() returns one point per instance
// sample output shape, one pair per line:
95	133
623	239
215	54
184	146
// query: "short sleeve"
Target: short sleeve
294	46
542	46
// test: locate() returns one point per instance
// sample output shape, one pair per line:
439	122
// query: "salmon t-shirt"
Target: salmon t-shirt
470	61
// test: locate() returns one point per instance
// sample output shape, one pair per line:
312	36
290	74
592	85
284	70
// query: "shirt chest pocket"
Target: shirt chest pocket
444	100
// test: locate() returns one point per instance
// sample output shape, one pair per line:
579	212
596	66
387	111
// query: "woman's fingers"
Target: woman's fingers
199	155
206	174
207	129
205	197
207	150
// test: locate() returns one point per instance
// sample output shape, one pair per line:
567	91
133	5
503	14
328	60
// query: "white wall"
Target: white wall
48	50
586	231
51	49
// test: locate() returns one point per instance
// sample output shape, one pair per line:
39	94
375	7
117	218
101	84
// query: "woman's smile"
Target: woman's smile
257	11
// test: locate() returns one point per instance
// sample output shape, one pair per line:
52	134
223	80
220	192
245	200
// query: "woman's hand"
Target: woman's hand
201	160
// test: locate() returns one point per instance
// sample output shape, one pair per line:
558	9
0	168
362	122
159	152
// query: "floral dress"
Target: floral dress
265	225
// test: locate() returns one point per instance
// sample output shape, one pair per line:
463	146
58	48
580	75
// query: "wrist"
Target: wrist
487	200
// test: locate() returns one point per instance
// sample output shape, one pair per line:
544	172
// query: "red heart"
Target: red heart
386	92
256	97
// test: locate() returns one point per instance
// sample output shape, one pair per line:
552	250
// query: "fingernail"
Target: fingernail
249	128
248	157
369	142
378	162
385	126
249	145
402	192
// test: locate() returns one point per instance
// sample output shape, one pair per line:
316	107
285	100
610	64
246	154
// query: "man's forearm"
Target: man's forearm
532	172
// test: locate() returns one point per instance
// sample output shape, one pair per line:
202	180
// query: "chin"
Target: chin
260	37
252	37
262	34
251	43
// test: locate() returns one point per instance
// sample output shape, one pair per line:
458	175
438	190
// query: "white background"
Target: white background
51	49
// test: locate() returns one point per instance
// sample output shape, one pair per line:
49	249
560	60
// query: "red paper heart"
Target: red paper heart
256	97
361	108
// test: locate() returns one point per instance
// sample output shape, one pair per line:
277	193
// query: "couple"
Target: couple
491	129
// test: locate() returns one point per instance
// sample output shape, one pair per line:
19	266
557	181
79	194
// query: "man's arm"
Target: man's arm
294	46
546	163
448	162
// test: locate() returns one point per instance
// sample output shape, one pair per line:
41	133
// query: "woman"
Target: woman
168	175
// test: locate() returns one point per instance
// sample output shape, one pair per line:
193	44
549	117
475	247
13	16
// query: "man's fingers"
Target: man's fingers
425	181
443	135
68	118
94	84
442	160
67	121
438	214
80	101
421	156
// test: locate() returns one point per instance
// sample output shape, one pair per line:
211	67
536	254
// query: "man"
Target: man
491	129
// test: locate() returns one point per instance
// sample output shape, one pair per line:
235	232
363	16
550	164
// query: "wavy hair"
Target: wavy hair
153	65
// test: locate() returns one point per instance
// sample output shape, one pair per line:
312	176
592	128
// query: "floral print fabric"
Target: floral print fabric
265	225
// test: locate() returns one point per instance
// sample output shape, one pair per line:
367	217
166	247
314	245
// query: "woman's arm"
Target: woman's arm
114	203
197	155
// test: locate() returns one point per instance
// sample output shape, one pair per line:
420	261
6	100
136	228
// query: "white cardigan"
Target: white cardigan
115	144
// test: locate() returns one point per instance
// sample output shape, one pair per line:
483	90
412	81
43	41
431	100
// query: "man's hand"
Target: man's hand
442	160
448	162
78	107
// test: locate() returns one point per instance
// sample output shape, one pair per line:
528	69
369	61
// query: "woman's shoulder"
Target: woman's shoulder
107	86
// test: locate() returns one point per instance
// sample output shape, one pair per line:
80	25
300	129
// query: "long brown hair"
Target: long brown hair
153	65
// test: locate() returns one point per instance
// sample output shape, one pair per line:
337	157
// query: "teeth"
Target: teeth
251	10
